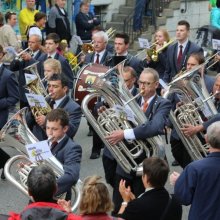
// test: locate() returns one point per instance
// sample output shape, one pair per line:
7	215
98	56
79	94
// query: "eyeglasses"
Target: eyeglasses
145	83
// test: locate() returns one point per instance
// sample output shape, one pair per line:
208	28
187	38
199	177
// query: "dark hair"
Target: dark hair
58	115
97	28
123	36
39	15
85	2
1	49
198	56
1	19
41	183
185	23
8	15
218	3
61	77
53	36
130	70
156	170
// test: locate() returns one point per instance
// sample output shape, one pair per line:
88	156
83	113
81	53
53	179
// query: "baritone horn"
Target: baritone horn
16	134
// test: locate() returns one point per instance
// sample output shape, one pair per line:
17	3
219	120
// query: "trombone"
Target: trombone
213	57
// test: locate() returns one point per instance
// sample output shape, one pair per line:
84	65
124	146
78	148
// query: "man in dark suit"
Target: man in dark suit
85	22
121	45
34	43
155	202
178	53
64	149
156	110
51	45
9	96
100	54
57	88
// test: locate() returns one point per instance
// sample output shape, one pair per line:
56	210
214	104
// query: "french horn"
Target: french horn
197	107
16	134
129	154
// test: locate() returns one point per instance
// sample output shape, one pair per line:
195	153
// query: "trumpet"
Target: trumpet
27	50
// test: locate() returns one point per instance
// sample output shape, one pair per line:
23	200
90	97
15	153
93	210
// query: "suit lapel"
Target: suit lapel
60	145
175	57
64	102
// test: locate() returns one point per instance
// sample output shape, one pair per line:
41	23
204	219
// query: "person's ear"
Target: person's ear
65	128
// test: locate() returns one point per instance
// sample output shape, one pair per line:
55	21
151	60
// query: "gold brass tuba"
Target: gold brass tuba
16	134
129	154
197	107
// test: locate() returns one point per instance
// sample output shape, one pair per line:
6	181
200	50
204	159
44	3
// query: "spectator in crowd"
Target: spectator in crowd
140	6
215	15
8	36
58	21
26	18
96	201
155	203
196	185
85	22
42	187
40	19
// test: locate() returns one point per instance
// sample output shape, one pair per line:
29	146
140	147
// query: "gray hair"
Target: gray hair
37	36
153	72
101	34
216	77
213	135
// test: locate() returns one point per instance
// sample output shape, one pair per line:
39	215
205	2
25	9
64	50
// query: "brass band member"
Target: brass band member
156	110
9	96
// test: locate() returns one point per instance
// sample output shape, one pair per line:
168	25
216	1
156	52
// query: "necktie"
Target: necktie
97	58
180	55
145	105
53	145
51	104
49	57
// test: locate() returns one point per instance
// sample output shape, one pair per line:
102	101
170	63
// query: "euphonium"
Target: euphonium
197	107
129	154
16	134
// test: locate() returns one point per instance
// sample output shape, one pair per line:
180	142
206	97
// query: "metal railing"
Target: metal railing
152	10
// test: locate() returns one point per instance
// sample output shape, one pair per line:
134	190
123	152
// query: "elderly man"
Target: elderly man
196	186
156	110
100	54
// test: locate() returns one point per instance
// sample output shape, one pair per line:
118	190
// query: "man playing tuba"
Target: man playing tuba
156	110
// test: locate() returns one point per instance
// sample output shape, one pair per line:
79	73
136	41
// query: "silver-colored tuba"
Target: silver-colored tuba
16	134
129	154
196	108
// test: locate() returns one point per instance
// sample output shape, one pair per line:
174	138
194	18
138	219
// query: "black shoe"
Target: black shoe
94	156
3	175
90	133
175	163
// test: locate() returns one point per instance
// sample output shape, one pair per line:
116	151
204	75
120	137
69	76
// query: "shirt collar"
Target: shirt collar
52	55
58	101
58	141
100	53
1	65
148	101
184	44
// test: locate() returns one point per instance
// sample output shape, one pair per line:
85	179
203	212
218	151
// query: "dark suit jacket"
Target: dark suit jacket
69	154
9	94
74	113
132	61
171	62
157	113
66	69
83	27
105	58
151	205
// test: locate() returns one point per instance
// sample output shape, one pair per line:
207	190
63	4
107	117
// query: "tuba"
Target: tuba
16	134
197	107
129	154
